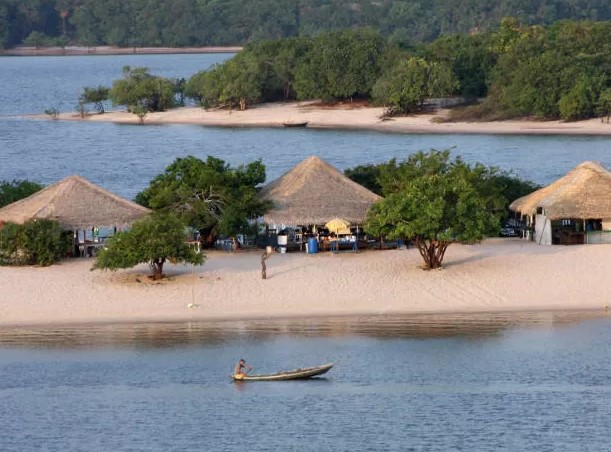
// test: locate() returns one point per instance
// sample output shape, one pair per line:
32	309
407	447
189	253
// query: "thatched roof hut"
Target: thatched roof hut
315	192
75	203
584	193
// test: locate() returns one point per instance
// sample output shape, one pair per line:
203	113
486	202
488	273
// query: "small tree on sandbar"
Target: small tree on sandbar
153	240
436	202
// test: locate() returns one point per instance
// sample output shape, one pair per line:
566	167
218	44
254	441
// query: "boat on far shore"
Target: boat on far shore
295	374
295	124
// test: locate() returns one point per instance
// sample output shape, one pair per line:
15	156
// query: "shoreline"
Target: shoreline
498	276
281	318
342	117
110	50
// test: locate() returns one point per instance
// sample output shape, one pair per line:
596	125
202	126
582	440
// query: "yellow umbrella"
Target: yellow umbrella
338	226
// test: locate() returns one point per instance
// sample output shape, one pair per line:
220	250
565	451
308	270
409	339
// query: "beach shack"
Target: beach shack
79	206
575	209
314	196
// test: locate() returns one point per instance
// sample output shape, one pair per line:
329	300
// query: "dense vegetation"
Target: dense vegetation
208	196
563	71
435	201
36	242
11	191
154	240
215	22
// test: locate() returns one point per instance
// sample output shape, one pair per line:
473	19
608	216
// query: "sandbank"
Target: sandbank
346	116
495	276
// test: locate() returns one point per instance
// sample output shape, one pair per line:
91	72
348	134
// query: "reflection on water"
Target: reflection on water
176	334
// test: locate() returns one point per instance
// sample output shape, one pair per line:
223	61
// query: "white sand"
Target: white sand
347	116
499	275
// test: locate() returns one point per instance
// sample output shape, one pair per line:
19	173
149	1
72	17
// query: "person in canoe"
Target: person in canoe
241	369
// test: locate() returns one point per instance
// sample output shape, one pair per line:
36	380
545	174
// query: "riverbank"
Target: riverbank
346	116
499	275
110	50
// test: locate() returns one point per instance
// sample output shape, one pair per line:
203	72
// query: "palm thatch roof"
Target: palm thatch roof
315	192
585	192
75	203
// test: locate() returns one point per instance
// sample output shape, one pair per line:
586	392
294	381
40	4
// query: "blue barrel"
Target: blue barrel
312	245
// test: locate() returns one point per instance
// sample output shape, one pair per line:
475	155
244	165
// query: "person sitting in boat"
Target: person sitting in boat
240	369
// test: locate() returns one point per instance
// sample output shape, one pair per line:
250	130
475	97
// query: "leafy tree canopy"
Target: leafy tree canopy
154	240
11	191
209	195
405	88
95	96
435	201
140	89
36	242
180	23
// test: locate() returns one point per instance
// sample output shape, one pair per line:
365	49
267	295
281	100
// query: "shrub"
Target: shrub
36	242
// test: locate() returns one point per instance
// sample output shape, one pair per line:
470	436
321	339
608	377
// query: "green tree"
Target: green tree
340	65
36	242
581	101
95	96
36	39
154	240
435	202
209	195
139	88
603	106
11	191
404	88
367	176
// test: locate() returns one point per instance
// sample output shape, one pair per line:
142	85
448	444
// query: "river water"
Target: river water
488	382
536	381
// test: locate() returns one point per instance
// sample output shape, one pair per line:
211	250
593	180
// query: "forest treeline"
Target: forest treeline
179	23
562	71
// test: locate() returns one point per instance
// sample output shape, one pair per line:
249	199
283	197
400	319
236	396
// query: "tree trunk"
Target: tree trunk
432	251
157	267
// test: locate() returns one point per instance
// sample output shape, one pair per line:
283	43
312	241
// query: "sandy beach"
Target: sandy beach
346	116
498	275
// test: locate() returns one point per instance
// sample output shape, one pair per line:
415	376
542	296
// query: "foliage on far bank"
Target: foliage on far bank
153	240
563	71
174	23
36	242
208	195
435	201
11	191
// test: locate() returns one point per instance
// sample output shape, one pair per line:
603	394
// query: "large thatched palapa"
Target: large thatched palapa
314	192
567	209
75	203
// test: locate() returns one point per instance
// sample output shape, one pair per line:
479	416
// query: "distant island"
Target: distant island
111	50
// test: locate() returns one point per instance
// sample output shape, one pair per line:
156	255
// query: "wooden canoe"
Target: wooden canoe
295	374
295	124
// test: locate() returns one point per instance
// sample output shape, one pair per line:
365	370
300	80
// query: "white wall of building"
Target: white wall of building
543	230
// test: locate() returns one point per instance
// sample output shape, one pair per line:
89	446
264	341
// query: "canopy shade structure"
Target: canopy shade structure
584	193
314	192
338	226
75	203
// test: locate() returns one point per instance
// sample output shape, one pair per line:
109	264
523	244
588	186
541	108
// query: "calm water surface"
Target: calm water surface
436	383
